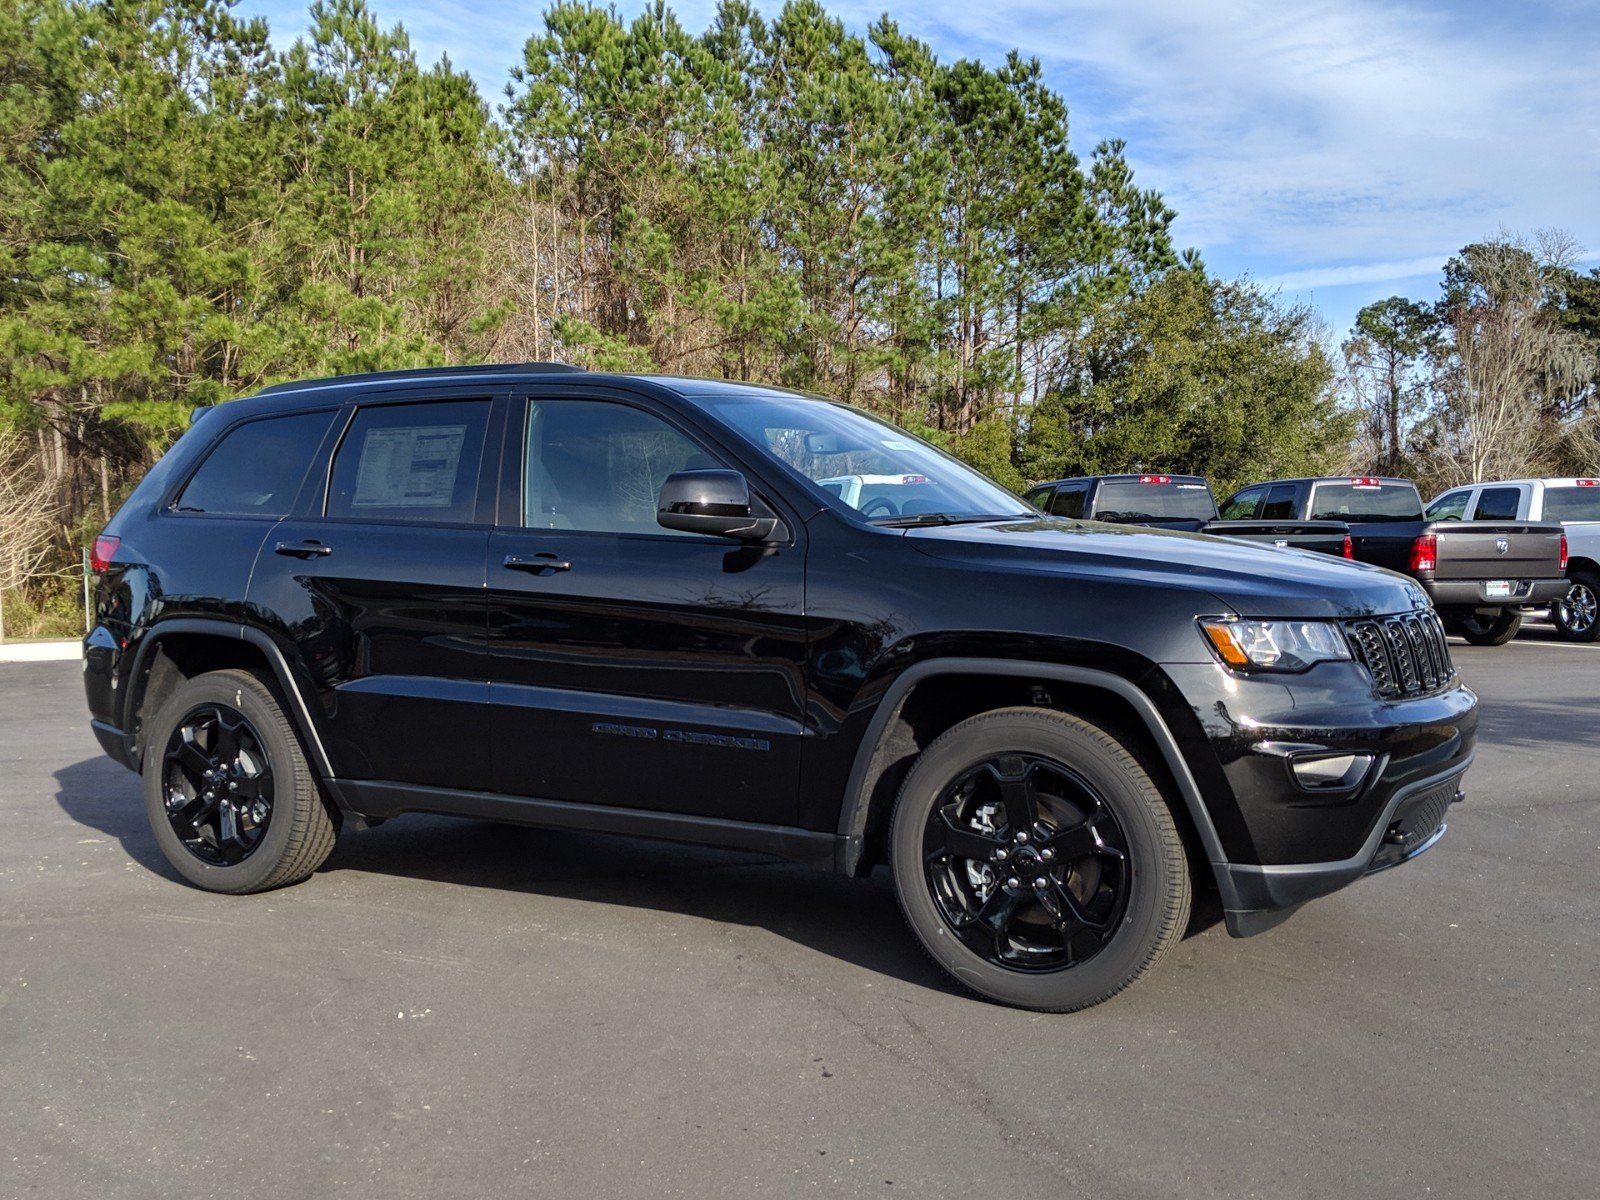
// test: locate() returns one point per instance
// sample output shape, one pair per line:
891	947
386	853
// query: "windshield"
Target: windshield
1131	500
1365	502
867	464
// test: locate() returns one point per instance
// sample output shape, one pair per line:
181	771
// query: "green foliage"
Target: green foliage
1192	375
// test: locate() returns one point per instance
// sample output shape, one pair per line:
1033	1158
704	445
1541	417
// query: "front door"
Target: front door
630	665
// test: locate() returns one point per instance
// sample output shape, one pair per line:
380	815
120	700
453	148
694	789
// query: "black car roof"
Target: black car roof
1126	475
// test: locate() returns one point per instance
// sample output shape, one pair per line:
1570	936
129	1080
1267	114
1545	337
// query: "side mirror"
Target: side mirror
715	502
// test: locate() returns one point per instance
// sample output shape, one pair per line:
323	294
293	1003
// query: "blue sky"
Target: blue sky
1338	151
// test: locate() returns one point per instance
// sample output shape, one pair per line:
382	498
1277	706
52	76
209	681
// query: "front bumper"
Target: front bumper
1256	898
1474	593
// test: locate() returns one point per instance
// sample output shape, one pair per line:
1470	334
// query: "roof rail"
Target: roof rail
421	373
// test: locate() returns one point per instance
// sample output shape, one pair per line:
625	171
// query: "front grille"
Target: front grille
1406	655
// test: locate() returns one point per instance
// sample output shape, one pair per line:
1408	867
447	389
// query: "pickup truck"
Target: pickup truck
1480	575
1575	504
1183	503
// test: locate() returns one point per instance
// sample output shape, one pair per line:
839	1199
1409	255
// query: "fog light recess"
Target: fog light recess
1333	773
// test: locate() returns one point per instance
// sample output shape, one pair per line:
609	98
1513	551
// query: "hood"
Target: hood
1244	577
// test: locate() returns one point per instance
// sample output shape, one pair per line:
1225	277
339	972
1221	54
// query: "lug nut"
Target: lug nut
1041	882
1002	854
1047	854
1022	836
1013	882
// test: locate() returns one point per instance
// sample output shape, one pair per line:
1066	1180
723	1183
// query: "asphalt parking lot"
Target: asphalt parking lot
460	1009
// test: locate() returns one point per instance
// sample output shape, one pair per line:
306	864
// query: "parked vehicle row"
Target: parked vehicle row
718	613
1484	554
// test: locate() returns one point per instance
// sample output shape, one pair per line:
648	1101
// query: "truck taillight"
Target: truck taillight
1588	482
100	557
1563	554
1366	481
1349	550
1425	553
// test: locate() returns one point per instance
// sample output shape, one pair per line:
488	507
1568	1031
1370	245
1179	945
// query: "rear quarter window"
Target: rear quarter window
256	469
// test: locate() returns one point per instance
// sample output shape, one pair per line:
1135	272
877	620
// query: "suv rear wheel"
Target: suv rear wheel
1575	615
233	802
1036	862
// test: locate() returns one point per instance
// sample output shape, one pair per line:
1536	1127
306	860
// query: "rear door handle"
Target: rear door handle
537	563
303	549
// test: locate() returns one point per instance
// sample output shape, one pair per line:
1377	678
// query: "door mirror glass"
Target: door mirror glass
715	502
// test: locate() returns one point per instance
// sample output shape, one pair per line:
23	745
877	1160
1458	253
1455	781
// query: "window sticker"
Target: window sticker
410	467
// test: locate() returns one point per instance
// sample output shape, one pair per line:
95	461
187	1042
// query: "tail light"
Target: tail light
1349	550
1155	479
1425	553
1563	554
105	546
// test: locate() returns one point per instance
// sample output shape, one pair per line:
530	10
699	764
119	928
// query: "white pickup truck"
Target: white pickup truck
1575	503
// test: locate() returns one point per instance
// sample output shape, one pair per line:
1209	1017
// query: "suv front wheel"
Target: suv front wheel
1036	862
233	802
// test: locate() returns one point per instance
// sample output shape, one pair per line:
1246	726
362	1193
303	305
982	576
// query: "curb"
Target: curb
40	651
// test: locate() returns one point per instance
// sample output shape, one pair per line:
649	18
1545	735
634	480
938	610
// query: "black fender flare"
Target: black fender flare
854	812
300	711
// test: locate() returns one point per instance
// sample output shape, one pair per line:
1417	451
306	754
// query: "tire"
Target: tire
1575	615
270	825
1491	631
1115	893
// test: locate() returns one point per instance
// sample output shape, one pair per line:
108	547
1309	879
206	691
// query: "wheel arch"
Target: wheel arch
180	648
1578	564
891	743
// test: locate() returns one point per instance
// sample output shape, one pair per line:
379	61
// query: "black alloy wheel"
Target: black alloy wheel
233	801
1027	865
1037	861
218	785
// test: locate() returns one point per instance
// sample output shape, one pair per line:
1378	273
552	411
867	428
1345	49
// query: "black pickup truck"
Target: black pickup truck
1480	575
1183	503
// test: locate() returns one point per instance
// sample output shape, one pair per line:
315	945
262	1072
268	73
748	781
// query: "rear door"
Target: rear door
378	581
632	665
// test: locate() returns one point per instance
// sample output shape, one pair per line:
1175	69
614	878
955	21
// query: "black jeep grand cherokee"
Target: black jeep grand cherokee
537	595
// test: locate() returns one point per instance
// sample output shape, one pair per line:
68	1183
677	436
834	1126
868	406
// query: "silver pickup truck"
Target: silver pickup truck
1572	502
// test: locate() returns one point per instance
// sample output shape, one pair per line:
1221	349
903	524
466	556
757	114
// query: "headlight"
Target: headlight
1274	645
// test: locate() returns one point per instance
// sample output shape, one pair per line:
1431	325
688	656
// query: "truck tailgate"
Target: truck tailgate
1497	550
1326	536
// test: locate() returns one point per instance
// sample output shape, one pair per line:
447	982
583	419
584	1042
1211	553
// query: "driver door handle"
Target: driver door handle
538	564
307	549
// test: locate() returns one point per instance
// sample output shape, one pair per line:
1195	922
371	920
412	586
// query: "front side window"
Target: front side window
257	468
1039	497
1497	504
1452	506
410	462
881	472
1243	506
598	466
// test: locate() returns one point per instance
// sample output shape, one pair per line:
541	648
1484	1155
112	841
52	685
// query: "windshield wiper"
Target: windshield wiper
913	520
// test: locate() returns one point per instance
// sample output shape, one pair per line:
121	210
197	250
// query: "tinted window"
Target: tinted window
1280	503
1039	497
257	468
1068	501
411	462
1131	500
1452	506
1365	502
1242	507
1497	504
598	466
1572	504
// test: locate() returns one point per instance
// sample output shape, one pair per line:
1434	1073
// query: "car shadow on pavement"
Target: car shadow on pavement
104	796
856	920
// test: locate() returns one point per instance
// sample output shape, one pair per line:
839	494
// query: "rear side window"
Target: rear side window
257	468
1497	504
1280	503
1068	501
1572	503
410	462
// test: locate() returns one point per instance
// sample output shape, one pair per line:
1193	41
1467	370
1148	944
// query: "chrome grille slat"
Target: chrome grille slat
1406	655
